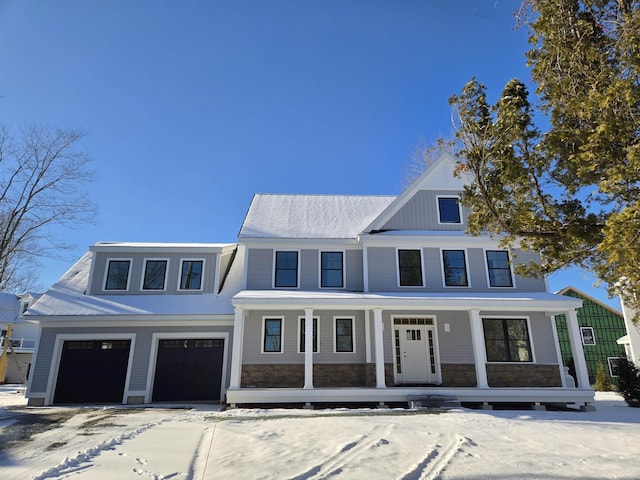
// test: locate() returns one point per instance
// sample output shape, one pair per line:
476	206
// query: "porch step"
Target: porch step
433	401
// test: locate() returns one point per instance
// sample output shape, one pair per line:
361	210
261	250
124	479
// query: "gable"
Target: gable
416	208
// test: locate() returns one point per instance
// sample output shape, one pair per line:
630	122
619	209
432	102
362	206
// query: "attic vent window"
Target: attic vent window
449	210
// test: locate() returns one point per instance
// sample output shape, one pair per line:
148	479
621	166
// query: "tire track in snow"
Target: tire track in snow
333	465
71	464
437	460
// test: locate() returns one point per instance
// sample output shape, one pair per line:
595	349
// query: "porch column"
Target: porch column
479	351
308	348
575	339
367	336
379	348
236	355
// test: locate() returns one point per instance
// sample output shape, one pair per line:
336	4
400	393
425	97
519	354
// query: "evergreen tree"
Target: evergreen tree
570	190
629	382
603	382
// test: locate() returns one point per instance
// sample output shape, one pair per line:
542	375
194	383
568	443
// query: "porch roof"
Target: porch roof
495	301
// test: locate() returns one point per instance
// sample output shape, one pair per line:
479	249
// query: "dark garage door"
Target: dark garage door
92	371
188	370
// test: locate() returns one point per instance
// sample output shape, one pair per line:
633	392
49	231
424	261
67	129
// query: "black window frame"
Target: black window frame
444	209
408	272
301	335
108	286
186	279
268	347
502	337
281	267
324	268
500	269
449	272
338	346
146	285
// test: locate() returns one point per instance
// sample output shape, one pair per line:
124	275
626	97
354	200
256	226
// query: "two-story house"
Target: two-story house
325	299
17	337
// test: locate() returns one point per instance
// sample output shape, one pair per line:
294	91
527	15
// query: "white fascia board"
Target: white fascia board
365	302
280	243
164	247
428	239
139	321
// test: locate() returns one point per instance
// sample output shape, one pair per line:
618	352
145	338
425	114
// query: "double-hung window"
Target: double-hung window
331	270
499	268
449	210
272	335
191	275
286	271
410	268
344	335
155	272
117	275
507	340
455	268
301	345
588	338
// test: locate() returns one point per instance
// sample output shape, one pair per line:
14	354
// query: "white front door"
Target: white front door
416	354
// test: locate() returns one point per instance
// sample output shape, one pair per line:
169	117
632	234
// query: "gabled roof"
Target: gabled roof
438	176
590	298
311	216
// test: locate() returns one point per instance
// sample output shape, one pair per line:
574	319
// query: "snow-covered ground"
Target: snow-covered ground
203	443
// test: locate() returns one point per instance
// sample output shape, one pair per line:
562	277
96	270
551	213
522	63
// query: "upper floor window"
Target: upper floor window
499	268
449	210
410	268
191	275
455	268
507	340
117	275
286	271
588	338
272	335
25	307
331	269
155	272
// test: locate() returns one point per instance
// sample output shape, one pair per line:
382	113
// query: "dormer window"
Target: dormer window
191	275
117	275
155	272
286	271
449	210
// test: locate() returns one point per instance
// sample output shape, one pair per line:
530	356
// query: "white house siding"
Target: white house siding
136	271
308	269
252	347
354	274
141	353
421	213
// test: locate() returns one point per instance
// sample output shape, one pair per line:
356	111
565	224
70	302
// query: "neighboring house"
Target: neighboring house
326	298
600	328
23	336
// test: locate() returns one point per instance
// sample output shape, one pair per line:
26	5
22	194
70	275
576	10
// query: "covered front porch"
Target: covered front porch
540	380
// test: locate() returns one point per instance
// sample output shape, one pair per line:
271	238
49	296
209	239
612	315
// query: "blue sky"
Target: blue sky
191	107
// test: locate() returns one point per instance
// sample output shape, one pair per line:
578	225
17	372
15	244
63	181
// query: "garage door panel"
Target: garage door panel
92	371
188	370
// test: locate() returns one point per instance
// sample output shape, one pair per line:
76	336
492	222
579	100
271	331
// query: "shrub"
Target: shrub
629	382
603	382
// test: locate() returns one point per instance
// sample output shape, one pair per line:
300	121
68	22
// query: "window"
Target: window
25	307
499	268
344	335
331	269
117	275
272	335
154	275
448	210
191	276
410	268
587	336
613	365
301	335
455	268
507	340
286	272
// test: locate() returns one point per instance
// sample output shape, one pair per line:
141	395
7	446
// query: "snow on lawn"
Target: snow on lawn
203	443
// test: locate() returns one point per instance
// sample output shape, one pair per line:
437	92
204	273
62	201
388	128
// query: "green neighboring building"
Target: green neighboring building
600	327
